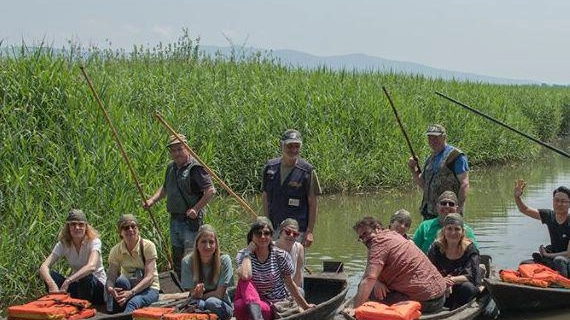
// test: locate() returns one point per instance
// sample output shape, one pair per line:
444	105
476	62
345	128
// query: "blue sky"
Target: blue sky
518	39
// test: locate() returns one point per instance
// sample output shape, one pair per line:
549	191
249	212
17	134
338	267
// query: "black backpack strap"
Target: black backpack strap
141	249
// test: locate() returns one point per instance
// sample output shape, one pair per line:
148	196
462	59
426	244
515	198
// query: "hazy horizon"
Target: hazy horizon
506	39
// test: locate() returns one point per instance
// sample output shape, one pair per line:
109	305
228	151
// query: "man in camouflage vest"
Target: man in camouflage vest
446	168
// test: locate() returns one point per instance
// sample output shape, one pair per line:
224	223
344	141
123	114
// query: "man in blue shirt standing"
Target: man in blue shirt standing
445	169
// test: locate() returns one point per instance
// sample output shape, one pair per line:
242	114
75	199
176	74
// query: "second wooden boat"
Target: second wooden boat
512	298
466	312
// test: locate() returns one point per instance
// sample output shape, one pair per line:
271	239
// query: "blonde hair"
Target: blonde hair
65	236
197	274
442	243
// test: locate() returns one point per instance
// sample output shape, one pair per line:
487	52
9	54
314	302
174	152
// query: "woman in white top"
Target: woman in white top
288	233
79	243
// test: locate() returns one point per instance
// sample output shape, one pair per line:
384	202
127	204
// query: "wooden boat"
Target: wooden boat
466	312
512	298
327	290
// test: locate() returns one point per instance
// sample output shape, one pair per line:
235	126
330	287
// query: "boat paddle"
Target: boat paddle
503	124
127	161
210	172
419	170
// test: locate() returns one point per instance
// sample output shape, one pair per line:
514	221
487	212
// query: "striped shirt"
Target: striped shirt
268	276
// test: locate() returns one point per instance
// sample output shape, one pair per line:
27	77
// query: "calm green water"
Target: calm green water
502	232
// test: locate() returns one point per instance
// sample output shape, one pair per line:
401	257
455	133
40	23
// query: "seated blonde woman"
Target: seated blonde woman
207	274
79	244
457	259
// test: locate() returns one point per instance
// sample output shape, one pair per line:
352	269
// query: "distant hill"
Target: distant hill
362	62
357	62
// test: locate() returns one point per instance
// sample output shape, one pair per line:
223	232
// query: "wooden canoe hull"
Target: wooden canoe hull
466	312
327	290
514	298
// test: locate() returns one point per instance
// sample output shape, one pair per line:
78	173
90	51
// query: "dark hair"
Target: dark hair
259	224
370	222
562	189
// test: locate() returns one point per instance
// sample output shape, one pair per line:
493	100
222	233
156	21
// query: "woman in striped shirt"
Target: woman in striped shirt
265	275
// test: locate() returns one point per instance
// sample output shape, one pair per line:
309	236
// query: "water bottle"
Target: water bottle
109	299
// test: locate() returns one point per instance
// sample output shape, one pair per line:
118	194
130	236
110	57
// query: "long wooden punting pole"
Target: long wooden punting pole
212	173
504	125
126	158
402	128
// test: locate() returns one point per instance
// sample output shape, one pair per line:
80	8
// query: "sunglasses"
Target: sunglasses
447	203
260	233
130	226
291	233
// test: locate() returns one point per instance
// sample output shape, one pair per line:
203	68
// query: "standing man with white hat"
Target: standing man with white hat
188	188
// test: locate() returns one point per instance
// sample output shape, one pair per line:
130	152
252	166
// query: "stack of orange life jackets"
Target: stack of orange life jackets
57	306
535	274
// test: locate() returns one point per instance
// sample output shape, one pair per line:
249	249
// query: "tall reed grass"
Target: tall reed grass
58	153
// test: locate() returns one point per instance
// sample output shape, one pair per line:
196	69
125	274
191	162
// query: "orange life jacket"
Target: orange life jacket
405	310
156	313
534	274
57	306
151	313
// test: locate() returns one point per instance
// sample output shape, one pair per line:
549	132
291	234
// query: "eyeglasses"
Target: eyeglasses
76	224
260	233
365	236
563	201
130	226
447	203
291	233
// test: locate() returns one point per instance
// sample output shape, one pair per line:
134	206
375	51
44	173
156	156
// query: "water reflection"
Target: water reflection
502	231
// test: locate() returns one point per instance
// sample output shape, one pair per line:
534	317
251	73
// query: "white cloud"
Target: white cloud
164	31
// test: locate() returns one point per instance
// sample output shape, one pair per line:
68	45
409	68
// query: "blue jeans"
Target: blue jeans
181	236
141	299
215	305
182	240
461	294
87	288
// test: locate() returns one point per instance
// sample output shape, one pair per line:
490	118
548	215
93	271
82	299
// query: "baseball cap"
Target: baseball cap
291	136
436	130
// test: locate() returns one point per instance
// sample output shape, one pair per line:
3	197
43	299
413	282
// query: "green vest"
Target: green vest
179	194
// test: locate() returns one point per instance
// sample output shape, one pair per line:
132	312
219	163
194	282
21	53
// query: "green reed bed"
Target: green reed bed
57	151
